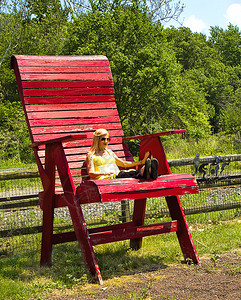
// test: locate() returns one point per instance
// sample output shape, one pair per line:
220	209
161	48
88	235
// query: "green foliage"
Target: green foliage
230	115
191	49
227	43
207	65
14	139
164	78
151	93
219	144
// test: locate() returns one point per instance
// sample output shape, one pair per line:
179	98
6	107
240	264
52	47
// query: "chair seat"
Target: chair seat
109	190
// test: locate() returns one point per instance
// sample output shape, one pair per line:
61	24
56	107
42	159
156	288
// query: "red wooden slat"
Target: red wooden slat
72	114
76	161
150	194
63	237
66	84
52	131
69	91
76	173
71	128
163	178
59	140
145	185
117	148
62	61
85	142
69	99
106	234
75	144
70	107
64	69
87	128
81	157
95	123
84	76
112	227
58	58
132	232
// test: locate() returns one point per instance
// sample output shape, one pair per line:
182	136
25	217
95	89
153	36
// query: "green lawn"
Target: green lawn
22	278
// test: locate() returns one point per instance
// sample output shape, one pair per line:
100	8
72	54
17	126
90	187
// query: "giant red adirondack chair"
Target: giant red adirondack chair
65	99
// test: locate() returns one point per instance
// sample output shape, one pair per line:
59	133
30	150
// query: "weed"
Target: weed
142	294
214	258
233	269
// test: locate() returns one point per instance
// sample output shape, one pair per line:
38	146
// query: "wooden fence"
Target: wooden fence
20	214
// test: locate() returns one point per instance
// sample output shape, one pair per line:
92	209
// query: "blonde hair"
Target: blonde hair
95	143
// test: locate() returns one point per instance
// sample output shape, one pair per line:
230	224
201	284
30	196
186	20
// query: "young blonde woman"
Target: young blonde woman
103	163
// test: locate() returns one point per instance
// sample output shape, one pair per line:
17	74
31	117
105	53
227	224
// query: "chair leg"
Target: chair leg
47	199
138	218
84	240
47	234
183	233
76	213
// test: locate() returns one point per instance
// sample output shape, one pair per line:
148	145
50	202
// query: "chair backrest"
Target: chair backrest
68	95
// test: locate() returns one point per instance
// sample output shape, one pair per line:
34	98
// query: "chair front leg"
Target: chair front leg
138	219
48	208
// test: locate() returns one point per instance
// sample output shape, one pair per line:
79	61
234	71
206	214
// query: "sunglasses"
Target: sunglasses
105	139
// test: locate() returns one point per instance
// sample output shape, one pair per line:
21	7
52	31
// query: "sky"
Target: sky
199	15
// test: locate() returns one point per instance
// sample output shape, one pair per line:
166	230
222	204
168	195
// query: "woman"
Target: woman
103	163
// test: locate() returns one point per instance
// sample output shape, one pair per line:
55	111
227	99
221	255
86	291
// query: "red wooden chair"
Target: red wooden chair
65	99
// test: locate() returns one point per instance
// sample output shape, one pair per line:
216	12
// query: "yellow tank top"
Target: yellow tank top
105	163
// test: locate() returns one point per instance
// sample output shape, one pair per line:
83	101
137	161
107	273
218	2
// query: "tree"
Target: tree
11	16
29	27
191	49
24	30
203	62
227	43
150	92
13	133
230	115
162	10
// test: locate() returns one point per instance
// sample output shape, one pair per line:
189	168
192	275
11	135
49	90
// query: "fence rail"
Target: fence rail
205	159
25	173
20	215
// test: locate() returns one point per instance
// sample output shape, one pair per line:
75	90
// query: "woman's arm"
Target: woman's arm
127	164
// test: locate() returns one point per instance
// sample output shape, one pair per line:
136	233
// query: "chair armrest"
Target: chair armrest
60	139
154	134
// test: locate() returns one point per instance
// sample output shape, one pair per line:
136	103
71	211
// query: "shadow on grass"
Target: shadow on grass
68	268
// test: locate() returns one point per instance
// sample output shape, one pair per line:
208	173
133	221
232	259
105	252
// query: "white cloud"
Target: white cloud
233	15
195	24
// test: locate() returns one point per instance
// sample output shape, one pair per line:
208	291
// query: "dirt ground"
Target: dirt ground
217	277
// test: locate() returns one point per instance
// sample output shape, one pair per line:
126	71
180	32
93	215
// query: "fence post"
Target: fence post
125	211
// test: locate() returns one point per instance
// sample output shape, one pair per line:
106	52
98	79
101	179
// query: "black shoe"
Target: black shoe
146	173
154	168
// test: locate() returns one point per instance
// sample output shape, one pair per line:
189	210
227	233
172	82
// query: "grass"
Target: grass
22	278
218	144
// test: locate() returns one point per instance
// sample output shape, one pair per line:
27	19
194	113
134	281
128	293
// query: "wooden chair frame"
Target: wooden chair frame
65	99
